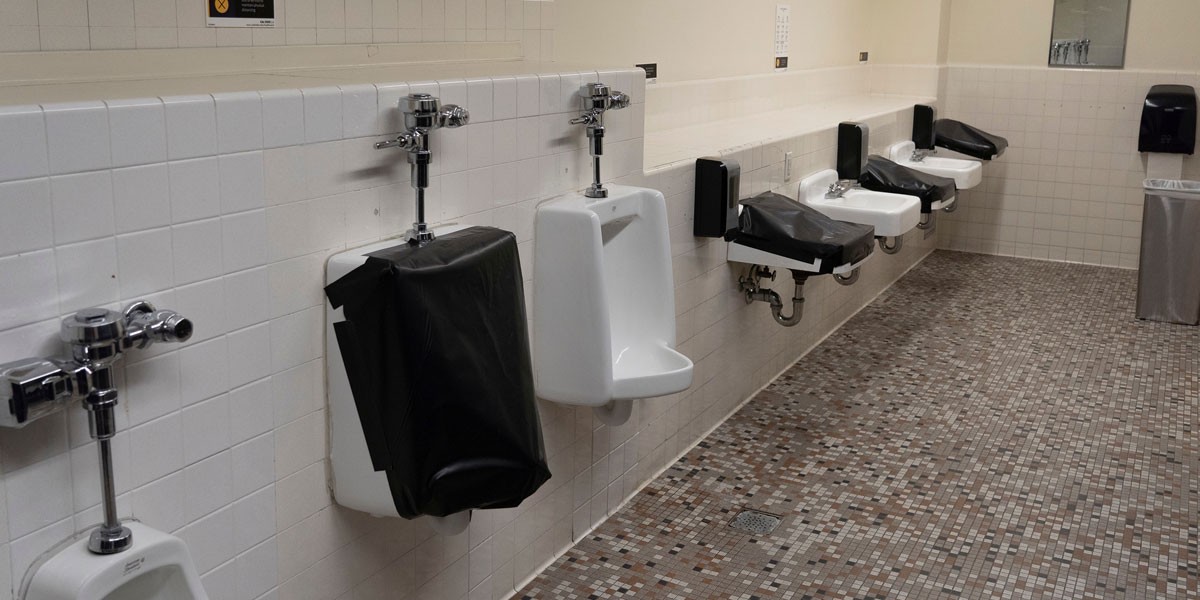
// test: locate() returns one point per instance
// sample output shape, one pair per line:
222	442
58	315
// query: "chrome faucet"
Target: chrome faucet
33	388
839	188
597	99
422	114
920	155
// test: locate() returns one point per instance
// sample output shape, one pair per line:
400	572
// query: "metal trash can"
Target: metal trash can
1169	277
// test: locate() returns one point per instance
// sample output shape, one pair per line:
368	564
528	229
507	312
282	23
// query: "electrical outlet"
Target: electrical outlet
787	166
863	56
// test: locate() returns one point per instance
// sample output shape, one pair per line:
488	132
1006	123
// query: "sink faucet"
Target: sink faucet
839	188
919	155
422	114
36	387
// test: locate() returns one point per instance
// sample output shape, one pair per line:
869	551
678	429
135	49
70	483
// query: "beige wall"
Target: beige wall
703	39
1162	33
893	24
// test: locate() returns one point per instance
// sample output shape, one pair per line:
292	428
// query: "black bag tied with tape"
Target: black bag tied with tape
436	349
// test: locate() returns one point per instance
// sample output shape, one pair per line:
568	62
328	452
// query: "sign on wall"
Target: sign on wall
241	13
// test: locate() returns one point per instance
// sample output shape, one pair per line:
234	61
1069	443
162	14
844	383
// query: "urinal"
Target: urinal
157	567
604	303
356	485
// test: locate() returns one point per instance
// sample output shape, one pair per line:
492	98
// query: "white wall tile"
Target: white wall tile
39	495
152	388
156	450
250	354
207	429
253	410
145	262
77	137
322	114
159	504
251	291
208	538
141	197
191	126
34	229
208	485
239	121
283	118
87	274
244	246
195	189
24	153
360	111
204	371
254	464
242	183
197	250
257	570
83	206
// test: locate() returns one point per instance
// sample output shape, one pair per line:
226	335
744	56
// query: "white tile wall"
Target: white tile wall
223	438
1070	186
50	25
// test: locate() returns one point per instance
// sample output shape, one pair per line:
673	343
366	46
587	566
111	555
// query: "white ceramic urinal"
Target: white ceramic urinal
157	567
604	302
356	484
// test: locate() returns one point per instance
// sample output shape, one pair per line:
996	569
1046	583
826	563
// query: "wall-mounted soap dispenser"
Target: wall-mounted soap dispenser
853	141
1169	120
923	135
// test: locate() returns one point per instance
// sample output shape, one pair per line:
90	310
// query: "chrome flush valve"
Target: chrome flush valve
597	99
35	387
422	114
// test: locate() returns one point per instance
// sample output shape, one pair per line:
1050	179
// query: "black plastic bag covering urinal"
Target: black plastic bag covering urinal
777	224
965	139
437	353
883	175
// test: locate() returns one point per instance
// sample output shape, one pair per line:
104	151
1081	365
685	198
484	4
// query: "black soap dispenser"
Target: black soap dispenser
1169	120
923	132
853	141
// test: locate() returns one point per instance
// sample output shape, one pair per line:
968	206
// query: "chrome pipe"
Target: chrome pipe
897	244
847	280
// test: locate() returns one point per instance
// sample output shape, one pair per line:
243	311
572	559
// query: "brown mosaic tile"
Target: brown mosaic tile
988	428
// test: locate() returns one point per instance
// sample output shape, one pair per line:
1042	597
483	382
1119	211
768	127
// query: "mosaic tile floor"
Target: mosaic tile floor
989	428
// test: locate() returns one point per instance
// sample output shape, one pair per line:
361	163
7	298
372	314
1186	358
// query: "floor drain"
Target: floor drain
753	521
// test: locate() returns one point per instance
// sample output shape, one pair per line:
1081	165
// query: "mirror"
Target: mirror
1089	34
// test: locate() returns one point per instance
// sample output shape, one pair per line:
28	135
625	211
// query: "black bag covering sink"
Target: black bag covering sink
779	225
883	175
437	353
965	139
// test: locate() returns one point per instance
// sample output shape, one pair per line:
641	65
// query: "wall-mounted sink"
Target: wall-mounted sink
965	173
892	215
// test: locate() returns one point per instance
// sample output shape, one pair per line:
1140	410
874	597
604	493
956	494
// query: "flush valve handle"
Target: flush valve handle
453	116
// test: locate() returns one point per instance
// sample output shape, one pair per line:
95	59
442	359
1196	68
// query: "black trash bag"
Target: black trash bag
437	352
779	225
964	139
883	175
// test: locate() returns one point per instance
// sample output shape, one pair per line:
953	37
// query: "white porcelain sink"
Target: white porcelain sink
965	173
891	214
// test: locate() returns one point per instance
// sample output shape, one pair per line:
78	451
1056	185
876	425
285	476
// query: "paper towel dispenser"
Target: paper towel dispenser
1169	120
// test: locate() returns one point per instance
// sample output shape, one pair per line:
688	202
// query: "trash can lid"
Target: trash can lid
1172	185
